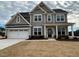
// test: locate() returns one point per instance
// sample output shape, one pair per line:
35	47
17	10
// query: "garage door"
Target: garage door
18	34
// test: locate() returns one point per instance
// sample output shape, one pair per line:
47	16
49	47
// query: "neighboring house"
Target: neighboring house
40	22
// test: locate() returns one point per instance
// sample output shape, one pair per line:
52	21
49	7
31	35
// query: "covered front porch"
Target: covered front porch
56	30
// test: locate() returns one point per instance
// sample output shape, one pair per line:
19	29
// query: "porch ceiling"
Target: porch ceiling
59	24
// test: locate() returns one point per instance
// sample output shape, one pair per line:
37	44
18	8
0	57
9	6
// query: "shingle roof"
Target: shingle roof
59	11
26	15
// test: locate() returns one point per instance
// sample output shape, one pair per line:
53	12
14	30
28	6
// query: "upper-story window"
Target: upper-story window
49	18
60	18
37	17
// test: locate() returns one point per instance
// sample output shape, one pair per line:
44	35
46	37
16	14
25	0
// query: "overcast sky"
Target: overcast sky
8	8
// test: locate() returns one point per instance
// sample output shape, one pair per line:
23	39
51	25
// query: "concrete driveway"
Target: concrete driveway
8	42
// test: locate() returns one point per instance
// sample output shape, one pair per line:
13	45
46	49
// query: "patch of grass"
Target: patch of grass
42	48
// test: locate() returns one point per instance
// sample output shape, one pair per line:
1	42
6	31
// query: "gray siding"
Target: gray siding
44	21
40	23
14	21
33	23
22	21
37	10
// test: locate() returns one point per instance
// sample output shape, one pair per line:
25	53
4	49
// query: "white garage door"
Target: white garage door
18	34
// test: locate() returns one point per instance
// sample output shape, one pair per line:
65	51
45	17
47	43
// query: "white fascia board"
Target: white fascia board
17	28
24	19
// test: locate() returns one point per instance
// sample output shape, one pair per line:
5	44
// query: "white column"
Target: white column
30	31
72	30
45	31
6	32
56	31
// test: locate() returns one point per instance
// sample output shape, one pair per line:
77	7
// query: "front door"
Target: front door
50	32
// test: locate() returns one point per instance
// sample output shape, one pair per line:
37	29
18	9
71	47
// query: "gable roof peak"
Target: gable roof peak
43	7
41	2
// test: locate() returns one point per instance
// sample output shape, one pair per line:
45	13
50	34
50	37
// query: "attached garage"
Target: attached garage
19	26
18	33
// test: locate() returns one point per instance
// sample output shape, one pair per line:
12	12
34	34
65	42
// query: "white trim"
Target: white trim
11	18
24	18
37	29
56	31
42	9
45	32
37	17
50	17
18	19
60	17
19	25
30	17
37	26
17	28
72	31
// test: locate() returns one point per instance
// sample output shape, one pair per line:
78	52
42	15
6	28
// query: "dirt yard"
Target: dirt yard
42	48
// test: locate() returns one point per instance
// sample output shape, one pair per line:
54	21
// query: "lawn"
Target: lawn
42	48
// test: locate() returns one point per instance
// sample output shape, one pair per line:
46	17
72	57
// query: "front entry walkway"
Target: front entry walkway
52	39
8	42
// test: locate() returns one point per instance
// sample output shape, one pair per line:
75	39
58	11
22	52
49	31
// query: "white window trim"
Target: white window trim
60	18
50	17
18	18
37	15
37	30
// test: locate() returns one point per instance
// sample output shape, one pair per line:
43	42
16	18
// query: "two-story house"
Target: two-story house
40	22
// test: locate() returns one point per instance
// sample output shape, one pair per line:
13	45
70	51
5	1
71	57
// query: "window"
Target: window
14	30
61	31
20	30
25	29
37	17
49	18
60	18
18	19
37	31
